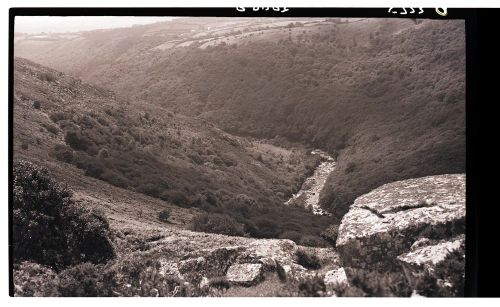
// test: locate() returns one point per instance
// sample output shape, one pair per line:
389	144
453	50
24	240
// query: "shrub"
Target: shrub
176	197
82	280
331	233
103	153
33	279
292	235
220	283
164	215
139	275
114	178
217	223
307	259
58	116
76	140
37	104
149	189
24	146
94	169
350	167
63	153
49	228
47	76
51	128
312	287
311	240
266	228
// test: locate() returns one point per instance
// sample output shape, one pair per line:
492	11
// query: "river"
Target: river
308	195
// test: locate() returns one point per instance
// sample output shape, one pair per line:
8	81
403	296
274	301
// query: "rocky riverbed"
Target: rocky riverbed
308	195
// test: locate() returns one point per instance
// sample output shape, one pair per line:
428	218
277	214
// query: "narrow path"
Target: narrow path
308	195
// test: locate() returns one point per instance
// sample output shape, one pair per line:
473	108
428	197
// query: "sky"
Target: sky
54	24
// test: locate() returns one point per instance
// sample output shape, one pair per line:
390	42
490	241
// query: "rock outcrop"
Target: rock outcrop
246	265
377	234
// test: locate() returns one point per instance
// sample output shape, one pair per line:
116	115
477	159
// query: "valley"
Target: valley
364	91
244	157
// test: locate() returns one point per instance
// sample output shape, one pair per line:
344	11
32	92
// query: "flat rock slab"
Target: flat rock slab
428	257
438	269
336	280
245	274
292	271
384	223
209	262
268	252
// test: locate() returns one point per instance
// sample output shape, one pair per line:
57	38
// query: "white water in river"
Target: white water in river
308	195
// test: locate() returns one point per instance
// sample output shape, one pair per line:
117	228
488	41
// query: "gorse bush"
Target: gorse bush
164	215
49	228
217	223
37	104
76	140
63	153
330	234
33	279
85	279
307	259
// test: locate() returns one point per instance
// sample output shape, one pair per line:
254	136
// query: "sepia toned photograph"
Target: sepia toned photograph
255	156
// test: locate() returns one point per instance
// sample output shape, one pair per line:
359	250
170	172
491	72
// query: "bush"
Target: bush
176	197
103	153
76	140
330	234
217	223
37	104
49	228
114	178
58	116
82	280
292	235
47	76
312	287
149	189
51	128
350	167
63	153
138	275
164	215
33	279
307	260
310	240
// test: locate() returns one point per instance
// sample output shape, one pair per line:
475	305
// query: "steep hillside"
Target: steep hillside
385	95
83	133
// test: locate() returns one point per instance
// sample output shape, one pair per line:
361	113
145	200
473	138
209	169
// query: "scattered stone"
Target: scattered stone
291	271
204	283
268	252
420	243
245	274
336	280
215	262
169	268
154	292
